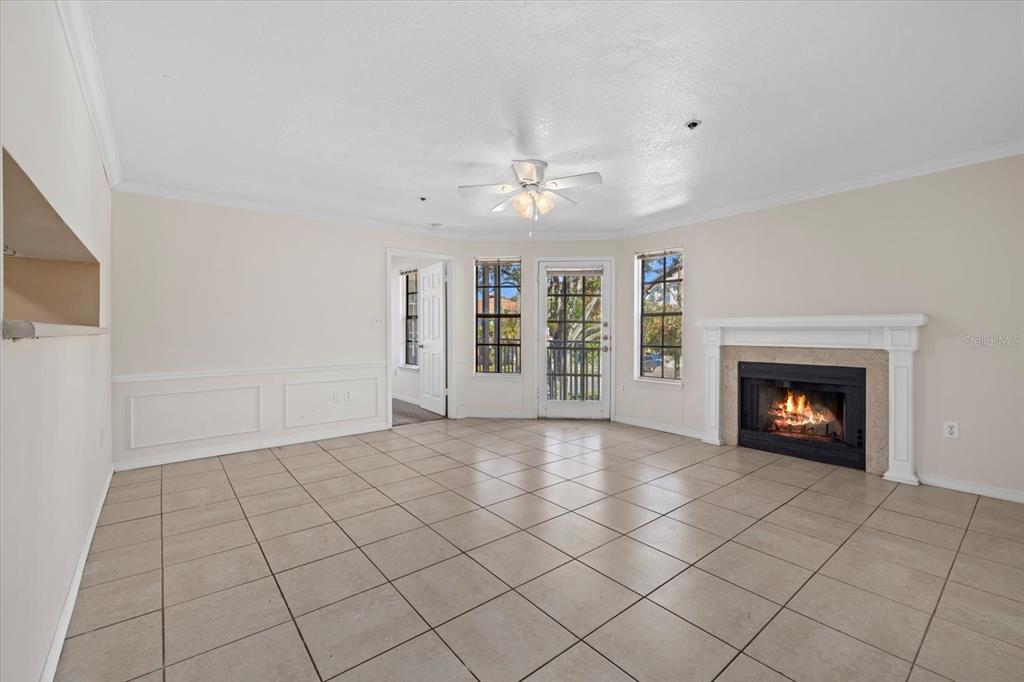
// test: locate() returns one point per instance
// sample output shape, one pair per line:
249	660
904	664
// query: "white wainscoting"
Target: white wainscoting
162	418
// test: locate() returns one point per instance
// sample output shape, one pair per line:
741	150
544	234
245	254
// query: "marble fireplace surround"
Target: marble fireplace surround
883	344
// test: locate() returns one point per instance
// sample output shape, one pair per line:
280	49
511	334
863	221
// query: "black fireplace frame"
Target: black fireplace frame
850	381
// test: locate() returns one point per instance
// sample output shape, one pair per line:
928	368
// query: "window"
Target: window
498	288
661	315
412	331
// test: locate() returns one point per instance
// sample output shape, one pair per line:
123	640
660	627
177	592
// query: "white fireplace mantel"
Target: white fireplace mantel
896	334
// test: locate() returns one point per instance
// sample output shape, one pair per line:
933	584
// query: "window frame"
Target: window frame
497	316
638	318
410	344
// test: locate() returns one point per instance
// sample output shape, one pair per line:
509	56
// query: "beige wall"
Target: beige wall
279	291
55	392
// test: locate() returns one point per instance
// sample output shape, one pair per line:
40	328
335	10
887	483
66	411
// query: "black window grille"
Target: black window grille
661	315
498	330
574	336
412	330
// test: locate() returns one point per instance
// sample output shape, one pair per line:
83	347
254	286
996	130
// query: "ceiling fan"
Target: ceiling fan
533	195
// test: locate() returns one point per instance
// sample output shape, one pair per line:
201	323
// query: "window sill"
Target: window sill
409	368
498	376
668	384
27	329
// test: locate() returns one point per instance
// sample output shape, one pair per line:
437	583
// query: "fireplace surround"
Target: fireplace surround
816	412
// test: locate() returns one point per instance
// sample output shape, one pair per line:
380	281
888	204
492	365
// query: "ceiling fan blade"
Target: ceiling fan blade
581	180
529	171
560	196
504	205
479	190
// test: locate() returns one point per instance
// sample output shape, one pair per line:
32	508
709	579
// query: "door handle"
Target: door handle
420	345
605	348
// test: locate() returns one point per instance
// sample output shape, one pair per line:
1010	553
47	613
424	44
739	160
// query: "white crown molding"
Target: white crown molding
818	191
74	17
221	373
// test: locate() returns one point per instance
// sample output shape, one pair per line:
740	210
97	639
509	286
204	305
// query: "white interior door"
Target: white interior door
575	339
431	310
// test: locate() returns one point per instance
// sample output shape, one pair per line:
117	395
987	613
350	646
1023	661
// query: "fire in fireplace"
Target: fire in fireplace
810	411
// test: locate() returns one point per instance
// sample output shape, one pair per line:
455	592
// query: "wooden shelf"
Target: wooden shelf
27	329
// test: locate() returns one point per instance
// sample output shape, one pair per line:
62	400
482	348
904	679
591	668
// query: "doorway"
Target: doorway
418	331
575	338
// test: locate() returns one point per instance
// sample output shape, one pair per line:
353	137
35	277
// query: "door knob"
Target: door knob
420	345
604	348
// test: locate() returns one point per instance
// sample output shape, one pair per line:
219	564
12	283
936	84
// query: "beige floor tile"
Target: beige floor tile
254	505
296	449
390	474
637	566
535	458
350	452
729	612
408	552
425	659
518	558
745	669
345	634
919	674
652	644
826	528
601	460
130	493
861	492
326	581
758	572
990	547
414	454
712	518
126	533
1001	526
448	589
531	479
377	460
460	478
255	470
380	524
773	490
126	511
198	496
115	653
917	555
133	476
935	504
505	639
433	464
607	482
742	460
573	534
965	655
115	601
488	492
320	472
313	459
677	539
1005	508
990	576
789	476
741	501
353	504
637	471
202	516
330	488
987	613
209	574
191	467
796	548
222	617
122	562
710	474
617	514
885	577
881	622
274	654
201	480
473	529
240	459
916	528
652	497
804	650
687	486
411	489
500	466
198	543
579	664
439	506
578	597
526	510
295	549
836	507
263	484
570	495
337	443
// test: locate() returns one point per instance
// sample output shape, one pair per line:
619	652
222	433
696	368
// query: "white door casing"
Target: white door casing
431	308
576	409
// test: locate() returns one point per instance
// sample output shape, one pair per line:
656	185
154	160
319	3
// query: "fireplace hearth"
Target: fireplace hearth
811	411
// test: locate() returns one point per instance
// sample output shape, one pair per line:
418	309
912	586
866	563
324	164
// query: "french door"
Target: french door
431	310
575	339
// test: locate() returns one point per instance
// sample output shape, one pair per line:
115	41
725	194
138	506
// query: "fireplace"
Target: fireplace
810	411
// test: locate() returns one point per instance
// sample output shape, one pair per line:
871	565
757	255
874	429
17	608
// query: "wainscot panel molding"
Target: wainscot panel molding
172	417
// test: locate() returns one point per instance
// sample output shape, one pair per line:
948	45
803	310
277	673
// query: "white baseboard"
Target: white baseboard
246	445
679	430
495	414
57	643
976	488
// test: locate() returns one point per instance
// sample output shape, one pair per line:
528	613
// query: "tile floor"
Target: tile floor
547	550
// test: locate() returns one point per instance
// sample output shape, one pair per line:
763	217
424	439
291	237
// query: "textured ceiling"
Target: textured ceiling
356	110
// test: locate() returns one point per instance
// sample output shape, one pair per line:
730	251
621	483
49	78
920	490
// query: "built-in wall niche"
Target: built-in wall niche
51	280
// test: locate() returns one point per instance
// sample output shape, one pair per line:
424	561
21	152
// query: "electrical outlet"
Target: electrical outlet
335	397
951	429
348	395
622	388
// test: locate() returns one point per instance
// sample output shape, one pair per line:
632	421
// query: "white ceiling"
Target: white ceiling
355	110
